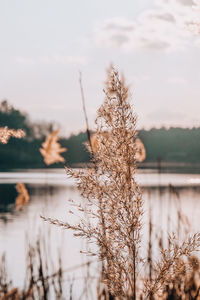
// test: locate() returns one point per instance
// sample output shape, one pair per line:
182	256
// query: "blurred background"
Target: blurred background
44	45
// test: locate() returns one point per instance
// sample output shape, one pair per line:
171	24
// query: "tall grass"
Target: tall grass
42	281
113	218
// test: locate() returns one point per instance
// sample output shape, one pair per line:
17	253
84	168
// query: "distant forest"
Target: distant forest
176	145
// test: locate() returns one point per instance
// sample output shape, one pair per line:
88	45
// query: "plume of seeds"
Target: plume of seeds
173	264
110	187
112	218
51	149
140	154
6	133
23	196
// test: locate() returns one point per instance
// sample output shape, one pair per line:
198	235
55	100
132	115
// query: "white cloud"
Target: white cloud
164	27
174	3
54	59
64	60
177	80
25	60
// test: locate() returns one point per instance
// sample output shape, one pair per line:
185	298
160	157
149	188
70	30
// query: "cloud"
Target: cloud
177	80
64	60
163	28
181	3
25	60
186	2
54	59
115	32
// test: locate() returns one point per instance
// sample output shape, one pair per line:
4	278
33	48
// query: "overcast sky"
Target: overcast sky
45	43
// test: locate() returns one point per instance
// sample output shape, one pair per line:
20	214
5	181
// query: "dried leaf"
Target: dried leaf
6	133
140	151
23	196
51	149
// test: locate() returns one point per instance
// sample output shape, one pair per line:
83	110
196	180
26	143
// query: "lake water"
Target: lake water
50	191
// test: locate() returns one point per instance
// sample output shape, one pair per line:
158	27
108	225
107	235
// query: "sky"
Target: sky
154	43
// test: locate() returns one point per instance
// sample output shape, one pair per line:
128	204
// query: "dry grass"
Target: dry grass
115	207
110	187
140	154
6	133
172	265
41	283
112	218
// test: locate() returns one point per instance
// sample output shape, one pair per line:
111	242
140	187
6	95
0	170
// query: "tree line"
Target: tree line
168	145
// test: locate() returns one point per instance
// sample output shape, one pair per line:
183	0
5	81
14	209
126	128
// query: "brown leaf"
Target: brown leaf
51	149
23	196
6	133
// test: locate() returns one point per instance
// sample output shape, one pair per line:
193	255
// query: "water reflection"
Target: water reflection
49	195
8	195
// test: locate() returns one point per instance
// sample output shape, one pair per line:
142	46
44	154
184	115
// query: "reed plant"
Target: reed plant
112	218
42	281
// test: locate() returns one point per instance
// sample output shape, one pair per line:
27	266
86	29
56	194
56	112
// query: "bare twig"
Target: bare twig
84	109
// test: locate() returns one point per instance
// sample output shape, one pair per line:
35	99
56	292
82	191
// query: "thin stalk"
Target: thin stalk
150	249
89	140
129	177
84	109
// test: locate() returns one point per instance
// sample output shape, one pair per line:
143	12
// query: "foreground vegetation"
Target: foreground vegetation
111	218
46	280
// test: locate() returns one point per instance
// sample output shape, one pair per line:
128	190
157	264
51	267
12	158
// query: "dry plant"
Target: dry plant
176	274
186	282
43	280
51	149
113	216
172	265
6	133
84	109
23	195
140	154
7	292
4	281
110	187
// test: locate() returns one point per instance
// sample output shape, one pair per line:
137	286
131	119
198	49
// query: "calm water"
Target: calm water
50	191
